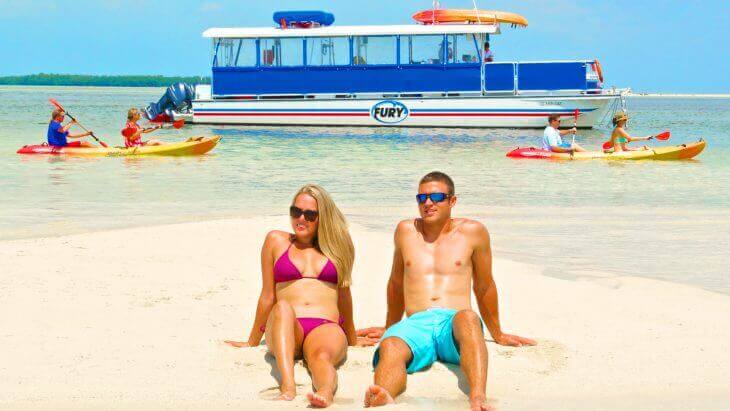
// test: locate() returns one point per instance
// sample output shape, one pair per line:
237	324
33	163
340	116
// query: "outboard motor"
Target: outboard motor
177	98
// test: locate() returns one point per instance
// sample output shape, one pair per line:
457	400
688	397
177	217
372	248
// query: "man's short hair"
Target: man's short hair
57	112
486	44
440	177
553	117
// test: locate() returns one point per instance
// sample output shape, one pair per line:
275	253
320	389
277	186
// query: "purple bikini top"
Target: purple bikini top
285	270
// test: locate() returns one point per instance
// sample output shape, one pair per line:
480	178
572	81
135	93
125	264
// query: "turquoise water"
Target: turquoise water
666	220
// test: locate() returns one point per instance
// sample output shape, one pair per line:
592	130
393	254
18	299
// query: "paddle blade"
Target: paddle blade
179	123
57	104
607	145
576	113
663	136
103	144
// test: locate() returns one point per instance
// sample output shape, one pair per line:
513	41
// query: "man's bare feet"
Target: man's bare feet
479	403
319	400
287	394
377	396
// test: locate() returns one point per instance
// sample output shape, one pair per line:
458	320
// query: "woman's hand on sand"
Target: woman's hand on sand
238	344
514	340
371	332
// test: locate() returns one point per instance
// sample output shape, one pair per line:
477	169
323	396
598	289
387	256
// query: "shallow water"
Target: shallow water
666	220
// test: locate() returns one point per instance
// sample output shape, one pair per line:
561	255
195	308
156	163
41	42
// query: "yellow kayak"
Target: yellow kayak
680	152
190	147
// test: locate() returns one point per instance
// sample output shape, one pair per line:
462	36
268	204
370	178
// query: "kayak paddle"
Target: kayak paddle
176	124
60	107
576	113
663	136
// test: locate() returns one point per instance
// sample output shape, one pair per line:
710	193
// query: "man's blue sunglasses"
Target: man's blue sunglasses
435	197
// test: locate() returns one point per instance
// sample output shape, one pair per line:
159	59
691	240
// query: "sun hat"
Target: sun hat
620	116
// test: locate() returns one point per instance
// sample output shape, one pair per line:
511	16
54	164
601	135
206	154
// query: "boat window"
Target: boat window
463	48
422	49
278	52
372	50
328	51
234	52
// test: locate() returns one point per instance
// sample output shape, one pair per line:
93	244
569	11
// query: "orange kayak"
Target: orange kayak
469	16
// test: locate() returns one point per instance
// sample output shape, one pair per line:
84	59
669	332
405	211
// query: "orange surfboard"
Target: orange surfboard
468	16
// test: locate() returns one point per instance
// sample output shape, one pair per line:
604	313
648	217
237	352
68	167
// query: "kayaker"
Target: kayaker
552	137
619	136
305	305
132	132
58	134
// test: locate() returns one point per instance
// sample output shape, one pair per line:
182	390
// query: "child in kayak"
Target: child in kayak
58	133
132	132
619	136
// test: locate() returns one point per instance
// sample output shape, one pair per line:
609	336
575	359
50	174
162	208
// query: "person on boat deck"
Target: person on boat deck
488	54
132	132
58	134
619	136
552	137
305	305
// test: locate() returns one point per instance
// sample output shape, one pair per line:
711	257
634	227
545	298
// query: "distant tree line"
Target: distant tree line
44	79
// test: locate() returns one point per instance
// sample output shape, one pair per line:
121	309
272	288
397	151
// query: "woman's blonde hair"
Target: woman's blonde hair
131	113
333	238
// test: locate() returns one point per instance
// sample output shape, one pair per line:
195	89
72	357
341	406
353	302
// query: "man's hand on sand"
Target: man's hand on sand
366	341
374	333
237	344
514	340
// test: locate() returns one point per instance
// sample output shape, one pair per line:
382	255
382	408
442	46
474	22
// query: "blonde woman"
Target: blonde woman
305	306
619	136
132	132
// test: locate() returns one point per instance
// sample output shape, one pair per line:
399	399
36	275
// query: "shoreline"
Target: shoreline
147	308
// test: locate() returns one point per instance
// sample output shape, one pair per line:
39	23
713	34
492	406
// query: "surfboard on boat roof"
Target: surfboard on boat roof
303	18
470	16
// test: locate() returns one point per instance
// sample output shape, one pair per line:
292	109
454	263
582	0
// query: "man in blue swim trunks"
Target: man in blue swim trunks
552	137
58	133
437	261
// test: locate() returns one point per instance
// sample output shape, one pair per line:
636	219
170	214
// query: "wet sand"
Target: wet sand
135	319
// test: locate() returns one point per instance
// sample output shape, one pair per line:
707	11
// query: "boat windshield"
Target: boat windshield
437	49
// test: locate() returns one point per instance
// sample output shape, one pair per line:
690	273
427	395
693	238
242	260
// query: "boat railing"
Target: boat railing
557	76
356	81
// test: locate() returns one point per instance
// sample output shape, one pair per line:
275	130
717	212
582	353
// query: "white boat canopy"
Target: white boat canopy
344	31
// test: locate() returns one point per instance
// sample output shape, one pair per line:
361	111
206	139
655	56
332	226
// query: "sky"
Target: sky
648	45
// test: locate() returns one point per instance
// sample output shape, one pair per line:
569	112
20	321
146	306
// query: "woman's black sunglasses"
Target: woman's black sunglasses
309	215
435	197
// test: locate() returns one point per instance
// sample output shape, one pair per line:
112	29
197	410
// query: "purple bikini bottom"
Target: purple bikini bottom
309	324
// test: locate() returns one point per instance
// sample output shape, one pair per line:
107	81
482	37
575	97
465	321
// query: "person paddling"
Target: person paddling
132	132
58	134
619	136
552	137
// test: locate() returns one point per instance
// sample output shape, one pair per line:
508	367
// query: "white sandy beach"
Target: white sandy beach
135	319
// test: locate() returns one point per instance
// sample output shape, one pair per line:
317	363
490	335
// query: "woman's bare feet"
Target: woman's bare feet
287	394
479	403
320	399
377	396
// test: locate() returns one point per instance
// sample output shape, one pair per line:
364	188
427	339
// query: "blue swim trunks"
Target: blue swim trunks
565	144
430	336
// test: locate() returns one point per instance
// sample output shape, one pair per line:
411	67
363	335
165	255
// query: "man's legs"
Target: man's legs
468	333
390	373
